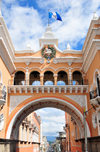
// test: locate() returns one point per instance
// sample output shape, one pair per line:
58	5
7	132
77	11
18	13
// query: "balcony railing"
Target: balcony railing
48	89
29	82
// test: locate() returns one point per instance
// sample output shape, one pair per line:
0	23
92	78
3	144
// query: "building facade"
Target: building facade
68	80
72	135
29	134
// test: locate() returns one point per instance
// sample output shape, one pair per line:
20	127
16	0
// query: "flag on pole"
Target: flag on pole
55	15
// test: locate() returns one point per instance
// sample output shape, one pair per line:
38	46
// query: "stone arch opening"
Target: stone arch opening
77	78
62	78
34	78
48	78
19	78
23	112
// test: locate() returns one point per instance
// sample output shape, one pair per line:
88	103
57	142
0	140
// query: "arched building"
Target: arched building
68	80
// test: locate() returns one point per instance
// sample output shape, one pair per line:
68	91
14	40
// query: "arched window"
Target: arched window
61	83
98	85
77	78
48	83
19	78
36	83
48	78
34	78
62	78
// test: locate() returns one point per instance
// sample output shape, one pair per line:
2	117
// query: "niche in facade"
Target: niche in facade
98	85
62	78
35	78
19	78
48	78
77	78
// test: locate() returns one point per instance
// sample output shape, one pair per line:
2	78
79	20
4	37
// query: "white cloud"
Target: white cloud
76	18
26	25
53	120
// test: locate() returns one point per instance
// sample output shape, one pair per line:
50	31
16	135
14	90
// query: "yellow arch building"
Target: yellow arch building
67	80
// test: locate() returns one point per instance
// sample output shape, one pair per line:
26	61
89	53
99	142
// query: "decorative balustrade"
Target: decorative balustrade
29	82
49	89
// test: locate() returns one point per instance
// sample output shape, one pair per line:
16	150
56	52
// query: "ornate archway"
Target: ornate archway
26	107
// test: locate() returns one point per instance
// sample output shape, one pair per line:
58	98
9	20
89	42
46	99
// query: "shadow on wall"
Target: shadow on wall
8	145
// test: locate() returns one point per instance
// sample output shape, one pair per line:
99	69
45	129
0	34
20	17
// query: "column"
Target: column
85	82
27	76
41	79
55	79
11	82
70	77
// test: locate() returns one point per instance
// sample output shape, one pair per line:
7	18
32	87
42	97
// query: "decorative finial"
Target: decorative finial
68	46
28	46
95	16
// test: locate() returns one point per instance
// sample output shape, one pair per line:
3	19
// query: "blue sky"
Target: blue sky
53	120
27	20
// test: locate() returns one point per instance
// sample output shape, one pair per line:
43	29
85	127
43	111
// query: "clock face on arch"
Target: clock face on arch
48	52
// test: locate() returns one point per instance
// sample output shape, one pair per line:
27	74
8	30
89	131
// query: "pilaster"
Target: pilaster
70	77
55	79
27	76
41	79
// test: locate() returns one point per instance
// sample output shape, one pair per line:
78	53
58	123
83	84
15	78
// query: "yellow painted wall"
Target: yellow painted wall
5	77
5	73
90	76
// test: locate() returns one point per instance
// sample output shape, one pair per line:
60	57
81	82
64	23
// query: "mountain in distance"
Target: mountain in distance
51	138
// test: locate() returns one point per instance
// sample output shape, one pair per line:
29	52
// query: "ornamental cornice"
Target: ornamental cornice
89	33
94	32
44	69
7	59
72	51
95	46
6	37
68	60
24	51
29	59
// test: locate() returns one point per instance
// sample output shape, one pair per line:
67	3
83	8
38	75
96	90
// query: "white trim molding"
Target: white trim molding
5	55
